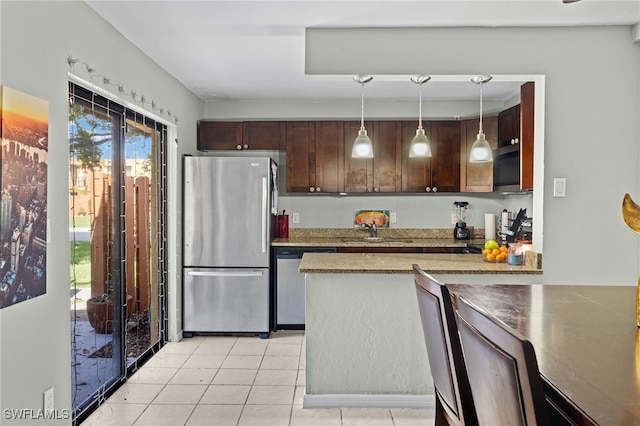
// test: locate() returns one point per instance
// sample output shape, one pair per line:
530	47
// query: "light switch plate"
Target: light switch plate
392	217
559	187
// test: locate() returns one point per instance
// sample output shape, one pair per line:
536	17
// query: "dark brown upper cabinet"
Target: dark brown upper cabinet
440	172
378	174
315	156
513	159
476	177
238	136
219	135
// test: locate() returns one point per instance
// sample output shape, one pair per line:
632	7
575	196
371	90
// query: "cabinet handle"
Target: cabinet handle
377	190
428	189
312	189
245	146
317	189
238	147
435	189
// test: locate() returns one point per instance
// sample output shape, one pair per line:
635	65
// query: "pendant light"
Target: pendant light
481	150
420	146
362	147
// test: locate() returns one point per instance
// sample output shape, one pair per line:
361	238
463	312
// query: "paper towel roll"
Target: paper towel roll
489	226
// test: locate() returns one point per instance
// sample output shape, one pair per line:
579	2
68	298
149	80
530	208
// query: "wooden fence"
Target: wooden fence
136	270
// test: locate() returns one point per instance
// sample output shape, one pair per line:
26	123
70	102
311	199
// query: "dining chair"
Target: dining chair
502	368
454	403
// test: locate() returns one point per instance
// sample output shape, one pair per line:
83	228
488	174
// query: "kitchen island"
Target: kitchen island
364	340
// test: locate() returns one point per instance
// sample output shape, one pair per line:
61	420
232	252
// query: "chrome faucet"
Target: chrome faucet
372	228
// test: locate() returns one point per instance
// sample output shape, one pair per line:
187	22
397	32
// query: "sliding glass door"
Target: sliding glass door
117	206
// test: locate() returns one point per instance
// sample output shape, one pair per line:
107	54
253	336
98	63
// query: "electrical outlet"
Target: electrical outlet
48	399
392	217
295	218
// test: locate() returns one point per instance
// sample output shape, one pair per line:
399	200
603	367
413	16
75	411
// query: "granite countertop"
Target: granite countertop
355	237
401	263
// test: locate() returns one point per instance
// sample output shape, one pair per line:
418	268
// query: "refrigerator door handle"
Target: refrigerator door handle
265	213
225	273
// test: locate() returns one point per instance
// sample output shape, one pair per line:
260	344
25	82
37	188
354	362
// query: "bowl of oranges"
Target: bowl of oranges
494	252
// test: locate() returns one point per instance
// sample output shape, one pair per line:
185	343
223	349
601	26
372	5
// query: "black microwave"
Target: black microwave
506	168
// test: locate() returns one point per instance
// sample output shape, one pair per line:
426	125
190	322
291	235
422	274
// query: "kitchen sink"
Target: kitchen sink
375	240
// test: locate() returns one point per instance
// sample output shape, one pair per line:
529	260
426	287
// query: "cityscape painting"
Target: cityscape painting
24	131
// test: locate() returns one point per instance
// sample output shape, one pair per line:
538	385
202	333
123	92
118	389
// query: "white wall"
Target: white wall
590	138
36	38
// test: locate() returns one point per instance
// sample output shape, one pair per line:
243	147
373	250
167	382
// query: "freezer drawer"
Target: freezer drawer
226	300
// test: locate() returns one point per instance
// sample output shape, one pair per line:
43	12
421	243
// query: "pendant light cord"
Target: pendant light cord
362	116
420	108
481	107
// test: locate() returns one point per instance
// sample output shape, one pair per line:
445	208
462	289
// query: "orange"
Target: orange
504	249
491	257
495	252
501	257
485	252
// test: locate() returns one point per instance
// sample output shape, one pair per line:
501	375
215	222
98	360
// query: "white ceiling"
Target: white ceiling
254	50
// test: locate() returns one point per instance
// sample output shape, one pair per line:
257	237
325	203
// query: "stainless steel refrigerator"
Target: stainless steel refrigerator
230	207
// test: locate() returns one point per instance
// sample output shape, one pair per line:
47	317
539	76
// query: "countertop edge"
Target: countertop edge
402	263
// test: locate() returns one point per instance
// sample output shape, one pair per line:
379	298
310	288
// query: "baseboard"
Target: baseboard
368	401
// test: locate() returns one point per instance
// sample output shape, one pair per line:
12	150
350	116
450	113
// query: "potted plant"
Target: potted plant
100	312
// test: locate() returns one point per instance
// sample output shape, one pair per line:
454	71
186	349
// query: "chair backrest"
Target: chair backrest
502	368
454	403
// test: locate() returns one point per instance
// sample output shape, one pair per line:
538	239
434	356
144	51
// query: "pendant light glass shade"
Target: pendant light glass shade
362	147
481	150
420	146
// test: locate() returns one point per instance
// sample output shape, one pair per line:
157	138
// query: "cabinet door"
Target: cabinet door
508	126
329	152
269	135
214	135
416	172
358	171
387	153
301	170
445	160
476	177
527	104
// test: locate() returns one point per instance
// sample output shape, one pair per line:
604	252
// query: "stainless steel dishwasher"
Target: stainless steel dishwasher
290	293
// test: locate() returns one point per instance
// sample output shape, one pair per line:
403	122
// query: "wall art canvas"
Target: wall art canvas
24	131
369	217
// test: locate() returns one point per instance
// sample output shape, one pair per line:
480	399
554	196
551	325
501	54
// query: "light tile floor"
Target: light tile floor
233	381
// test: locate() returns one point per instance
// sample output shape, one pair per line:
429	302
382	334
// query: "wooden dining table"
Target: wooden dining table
586	341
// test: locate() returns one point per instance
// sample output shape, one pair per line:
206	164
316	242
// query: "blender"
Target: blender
460	213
